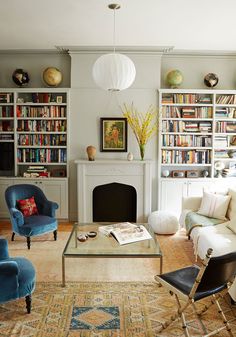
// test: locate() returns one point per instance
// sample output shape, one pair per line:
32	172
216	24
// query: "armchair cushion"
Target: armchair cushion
27	206
38	224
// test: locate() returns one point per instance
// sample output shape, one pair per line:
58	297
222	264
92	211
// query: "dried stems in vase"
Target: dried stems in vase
144	125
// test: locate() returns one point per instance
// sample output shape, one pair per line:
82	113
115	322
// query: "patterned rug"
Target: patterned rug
125	309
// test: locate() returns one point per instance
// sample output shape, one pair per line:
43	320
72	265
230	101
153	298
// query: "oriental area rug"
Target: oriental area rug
92	309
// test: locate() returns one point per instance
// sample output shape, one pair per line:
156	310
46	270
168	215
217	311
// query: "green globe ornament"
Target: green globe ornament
52	76
174	78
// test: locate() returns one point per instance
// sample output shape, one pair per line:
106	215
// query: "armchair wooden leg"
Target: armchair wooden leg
12	237
28	242
28	300
55	235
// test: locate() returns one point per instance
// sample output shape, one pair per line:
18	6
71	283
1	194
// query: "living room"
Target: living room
73	47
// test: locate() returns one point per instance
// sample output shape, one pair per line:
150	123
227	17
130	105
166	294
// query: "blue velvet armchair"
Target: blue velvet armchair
17	277
32	225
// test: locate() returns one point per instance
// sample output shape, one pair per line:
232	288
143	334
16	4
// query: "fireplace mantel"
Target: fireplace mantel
90	174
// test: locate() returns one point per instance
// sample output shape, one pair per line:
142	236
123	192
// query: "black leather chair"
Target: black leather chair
194	283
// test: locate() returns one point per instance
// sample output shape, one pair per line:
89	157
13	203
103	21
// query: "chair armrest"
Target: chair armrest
8	268
191	203
49	208
17	216
3	249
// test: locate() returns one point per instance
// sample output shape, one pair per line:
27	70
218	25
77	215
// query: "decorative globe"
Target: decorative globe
211	80
20	77
52	76
174	78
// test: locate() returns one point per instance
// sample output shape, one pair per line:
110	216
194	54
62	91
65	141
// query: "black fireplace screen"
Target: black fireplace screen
114	202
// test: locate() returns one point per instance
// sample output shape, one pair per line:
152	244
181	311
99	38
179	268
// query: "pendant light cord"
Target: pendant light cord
114	32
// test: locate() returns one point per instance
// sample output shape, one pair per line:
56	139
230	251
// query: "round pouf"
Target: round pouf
163	222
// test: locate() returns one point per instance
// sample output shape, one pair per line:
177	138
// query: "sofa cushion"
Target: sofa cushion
214	205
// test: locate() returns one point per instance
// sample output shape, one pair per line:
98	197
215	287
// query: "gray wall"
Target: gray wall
194	68
34	64
89	104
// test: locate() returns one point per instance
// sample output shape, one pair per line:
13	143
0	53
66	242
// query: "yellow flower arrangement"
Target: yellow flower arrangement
143	125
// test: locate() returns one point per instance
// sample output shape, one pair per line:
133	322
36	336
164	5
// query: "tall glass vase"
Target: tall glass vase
142	150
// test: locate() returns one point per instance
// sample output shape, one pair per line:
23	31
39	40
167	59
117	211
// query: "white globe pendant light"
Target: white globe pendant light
114	71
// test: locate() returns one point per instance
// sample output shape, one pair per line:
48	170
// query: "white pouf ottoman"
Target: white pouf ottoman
163	222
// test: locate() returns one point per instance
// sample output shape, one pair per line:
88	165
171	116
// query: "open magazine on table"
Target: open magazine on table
126	232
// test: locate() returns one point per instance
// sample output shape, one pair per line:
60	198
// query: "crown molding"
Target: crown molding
202	53
121	49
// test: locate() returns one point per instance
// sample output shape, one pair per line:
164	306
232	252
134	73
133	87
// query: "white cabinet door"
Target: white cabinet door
57	190
171	195
4	183
195	188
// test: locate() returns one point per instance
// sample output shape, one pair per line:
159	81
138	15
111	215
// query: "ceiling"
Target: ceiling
193	25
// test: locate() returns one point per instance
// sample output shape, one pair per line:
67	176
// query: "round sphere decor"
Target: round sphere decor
174	78
211	80
52	76
20	77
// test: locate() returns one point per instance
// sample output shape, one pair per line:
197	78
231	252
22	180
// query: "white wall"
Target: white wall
89	104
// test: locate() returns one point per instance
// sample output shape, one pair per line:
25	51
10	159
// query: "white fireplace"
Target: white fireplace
95	173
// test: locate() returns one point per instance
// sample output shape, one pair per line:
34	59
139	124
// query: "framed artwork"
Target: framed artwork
59	99
192	174
113	134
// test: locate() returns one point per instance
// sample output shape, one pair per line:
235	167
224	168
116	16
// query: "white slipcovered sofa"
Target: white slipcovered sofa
221	236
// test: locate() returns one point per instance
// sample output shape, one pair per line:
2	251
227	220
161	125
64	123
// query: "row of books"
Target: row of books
186	112
6	111
42	139
186	98
41	125
41	155
186	156
6	125
6	97
225	112
226	99
41	97
182	126
224	127
189	140
51	111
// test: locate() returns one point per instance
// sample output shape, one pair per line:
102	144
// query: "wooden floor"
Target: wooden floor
63	227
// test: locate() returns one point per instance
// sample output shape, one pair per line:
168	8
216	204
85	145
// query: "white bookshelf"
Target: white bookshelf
196	129
34	125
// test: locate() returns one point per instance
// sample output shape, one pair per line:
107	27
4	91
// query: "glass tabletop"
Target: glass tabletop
103	245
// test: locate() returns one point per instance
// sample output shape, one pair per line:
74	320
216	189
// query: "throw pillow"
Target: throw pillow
231	213
232	226
27	206
214	205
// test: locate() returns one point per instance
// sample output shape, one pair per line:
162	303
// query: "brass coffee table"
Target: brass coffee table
106	246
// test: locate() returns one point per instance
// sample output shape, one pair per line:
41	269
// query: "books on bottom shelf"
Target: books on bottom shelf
126	232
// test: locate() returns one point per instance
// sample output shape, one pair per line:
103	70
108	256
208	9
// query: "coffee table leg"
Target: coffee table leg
161	264
63	272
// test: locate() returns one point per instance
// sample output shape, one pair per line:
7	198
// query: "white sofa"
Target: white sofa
218	237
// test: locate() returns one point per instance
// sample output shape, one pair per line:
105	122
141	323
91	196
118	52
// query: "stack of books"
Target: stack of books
36	172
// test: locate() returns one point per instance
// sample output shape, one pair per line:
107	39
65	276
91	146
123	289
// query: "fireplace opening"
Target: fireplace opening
114	202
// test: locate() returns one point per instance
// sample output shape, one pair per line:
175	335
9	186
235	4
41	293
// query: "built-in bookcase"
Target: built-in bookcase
34	139
196	129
